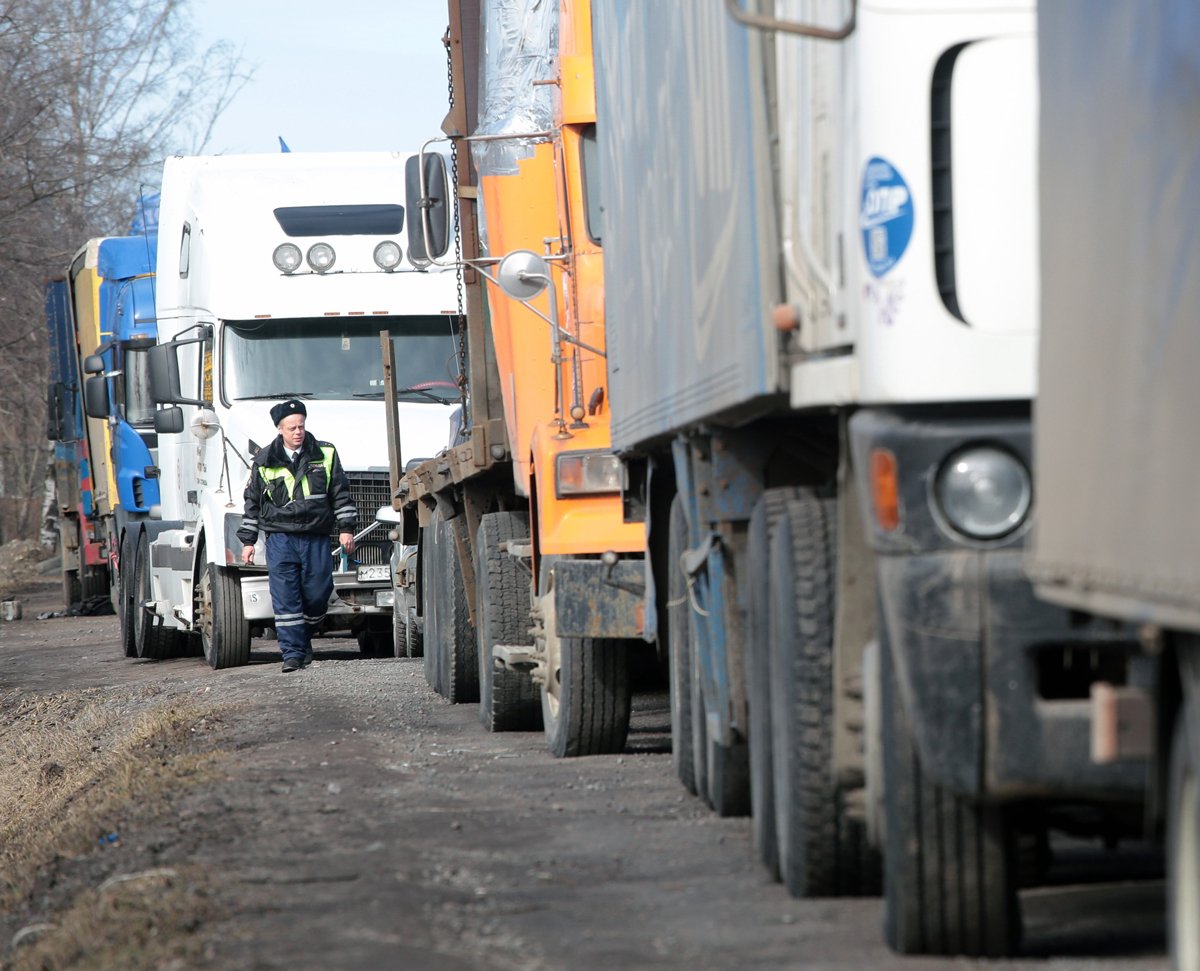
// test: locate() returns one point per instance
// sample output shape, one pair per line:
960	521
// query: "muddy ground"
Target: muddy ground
163	815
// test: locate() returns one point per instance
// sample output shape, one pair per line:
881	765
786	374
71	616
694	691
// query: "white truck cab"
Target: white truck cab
277	275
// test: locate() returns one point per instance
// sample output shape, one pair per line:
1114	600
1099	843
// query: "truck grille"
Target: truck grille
370	491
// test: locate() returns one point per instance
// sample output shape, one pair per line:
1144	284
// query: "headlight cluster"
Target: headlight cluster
587	474
321	257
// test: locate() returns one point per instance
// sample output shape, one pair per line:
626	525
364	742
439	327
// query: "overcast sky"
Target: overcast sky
347	75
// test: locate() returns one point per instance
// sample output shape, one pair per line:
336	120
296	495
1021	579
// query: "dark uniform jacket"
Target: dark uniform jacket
307	497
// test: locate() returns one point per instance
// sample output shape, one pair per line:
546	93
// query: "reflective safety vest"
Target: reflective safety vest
289	481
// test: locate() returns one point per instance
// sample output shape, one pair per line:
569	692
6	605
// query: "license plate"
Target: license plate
379	572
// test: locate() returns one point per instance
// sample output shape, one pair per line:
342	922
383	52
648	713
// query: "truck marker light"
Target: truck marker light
885	489
785	317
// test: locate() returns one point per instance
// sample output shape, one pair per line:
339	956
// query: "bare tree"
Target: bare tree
93	95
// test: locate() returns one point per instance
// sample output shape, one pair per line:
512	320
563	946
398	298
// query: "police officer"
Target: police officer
297	490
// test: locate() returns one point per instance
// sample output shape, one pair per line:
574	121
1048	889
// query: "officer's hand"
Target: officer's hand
247	554
347	541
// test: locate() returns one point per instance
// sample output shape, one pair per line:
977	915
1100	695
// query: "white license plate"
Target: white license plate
368	573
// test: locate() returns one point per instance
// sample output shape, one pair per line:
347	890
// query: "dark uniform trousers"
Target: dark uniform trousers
300	574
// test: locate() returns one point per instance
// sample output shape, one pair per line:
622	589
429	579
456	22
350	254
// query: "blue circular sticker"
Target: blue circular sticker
885	215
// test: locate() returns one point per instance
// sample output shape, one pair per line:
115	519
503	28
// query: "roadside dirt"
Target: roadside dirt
164	815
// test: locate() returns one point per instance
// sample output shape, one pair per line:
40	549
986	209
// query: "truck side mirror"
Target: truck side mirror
169	421
95	396
523	274
428	211
164	374
93	364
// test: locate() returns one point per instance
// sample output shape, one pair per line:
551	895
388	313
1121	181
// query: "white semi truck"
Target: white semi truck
822	318
1117	536
276	276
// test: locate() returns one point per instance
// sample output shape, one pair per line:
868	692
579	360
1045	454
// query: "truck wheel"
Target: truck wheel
431	602
126	598
71	590
727	768
1183	850
413	634
822	852
399	631
586	699
508	700
767	513
224	632
459	663
949	867
151	640
95	582
679	647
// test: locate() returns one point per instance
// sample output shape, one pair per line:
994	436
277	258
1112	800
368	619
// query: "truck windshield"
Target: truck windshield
321	358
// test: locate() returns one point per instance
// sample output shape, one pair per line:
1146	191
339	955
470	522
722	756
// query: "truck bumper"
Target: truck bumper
352	601
984	671
996	683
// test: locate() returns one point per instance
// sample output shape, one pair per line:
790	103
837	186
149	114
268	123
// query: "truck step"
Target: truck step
516	657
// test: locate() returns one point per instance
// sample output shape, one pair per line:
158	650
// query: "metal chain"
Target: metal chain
458	272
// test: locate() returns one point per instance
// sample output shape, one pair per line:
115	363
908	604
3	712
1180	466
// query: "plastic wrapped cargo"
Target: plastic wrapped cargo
520	48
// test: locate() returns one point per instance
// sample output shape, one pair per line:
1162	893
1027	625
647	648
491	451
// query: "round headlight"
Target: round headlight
984	492
387	255
321	256
286	257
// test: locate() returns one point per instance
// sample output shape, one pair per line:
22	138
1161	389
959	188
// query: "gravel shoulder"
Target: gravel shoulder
346	817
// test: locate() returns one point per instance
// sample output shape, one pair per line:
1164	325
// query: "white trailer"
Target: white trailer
276	276
1117	534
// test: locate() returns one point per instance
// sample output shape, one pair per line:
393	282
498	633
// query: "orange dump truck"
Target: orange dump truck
524	578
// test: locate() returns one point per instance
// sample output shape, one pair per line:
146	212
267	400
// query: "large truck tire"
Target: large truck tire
509	701
727	767
679	648
949	862
96	583
71	591
586	700
430	602
399	631
822	852
126	596
152	641
1183	847
224	632
767	513
458	664
414	634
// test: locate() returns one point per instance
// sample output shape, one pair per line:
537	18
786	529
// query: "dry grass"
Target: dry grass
148	922
74	767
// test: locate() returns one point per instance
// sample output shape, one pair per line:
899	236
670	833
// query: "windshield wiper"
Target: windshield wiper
421	391
274	394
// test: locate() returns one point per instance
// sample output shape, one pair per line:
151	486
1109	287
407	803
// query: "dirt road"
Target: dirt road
163	815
